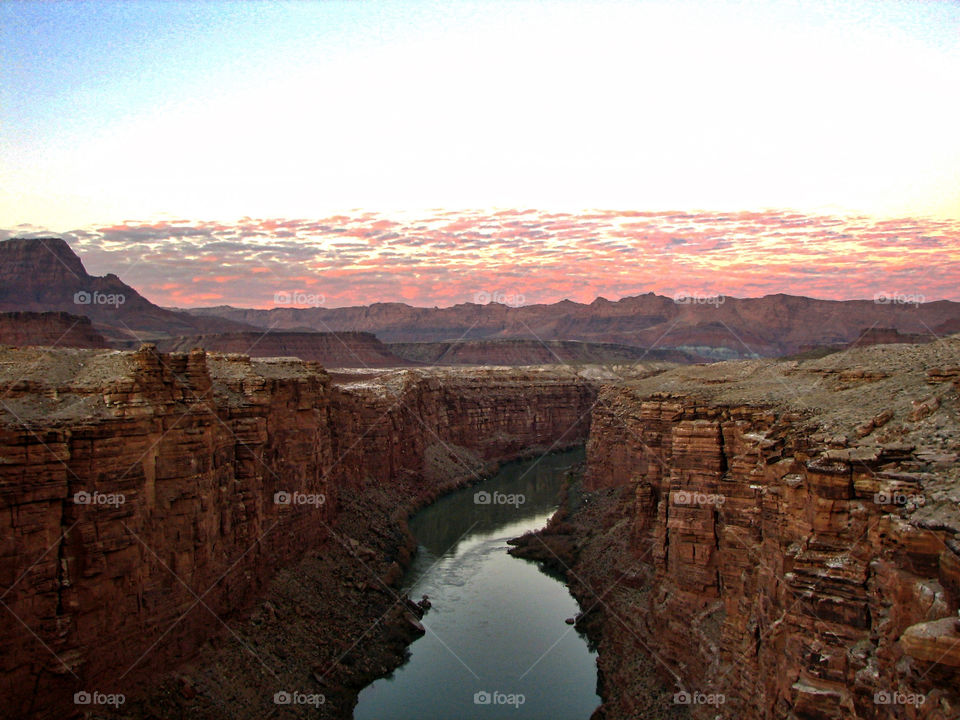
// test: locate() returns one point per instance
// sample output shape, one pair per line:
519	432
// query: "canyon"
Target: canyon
773	540
781	534
200	529
144	494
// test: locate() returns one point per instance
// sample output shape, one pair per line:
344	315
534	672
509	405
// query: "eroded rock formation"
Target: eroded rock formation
135	487
785	536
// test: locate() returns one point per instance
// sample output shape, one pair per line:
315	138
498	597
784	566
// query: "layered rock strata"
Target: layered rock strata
143	494
51	329
781	536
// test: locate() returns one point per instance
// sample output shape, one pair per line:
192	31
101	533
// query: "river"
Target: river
496	644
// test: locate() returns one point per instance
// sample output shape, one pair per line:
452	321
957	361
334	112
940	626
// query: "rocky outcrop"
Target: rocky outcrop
334	350
765	556
52	329
143	495
44	274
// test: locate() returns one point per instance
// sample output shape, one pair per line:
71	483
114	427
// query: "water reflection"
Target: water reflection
496	631
439	526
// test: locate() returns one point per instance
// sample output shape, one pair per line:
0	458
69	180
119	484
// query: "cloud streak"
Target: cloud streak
446	258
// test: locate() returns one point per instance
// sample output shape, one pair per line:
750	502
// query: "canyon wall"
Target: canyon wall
143	495
52	329
784	535
791	535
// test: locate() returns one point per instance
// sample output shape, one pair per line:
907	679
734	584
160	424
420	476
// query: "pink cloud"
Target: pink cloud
447	257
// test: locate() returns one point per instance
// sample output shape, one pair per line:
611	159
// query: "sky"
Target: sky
425	152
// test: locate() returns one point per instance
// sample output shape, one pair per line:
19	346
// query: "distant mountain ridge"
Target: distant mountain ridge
772	325
45	274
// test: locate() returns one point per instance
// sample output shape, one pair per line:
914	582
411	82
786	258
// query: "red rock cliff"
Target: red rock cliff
792	530
52	329
137	486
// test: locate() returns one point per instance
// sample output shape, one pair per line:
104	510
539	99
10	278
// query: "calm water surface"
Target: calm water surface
497	622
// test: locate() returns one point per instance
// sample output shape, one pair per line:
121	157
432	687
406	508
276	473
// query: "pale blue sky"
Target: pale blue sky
126	110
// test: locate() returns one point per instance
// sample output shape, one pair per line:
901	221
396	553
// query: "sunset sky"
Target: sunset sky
425	152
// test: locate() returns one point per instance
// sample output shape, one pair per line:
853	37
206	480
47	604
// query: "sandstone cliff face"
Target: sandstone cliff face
100	582
786	555
52	329
786	534
443	422
138	491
